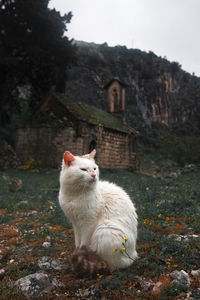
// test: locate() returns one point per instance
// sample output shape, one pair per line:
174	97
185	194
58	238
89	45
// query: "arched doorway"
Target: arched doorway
92	145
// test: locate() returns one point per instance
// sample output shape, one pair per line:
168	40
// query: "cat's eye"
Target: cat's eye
83	169
94	169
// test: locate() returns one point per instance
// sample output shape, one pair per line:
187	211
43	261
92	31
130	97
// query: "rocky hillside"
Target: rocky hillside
160	95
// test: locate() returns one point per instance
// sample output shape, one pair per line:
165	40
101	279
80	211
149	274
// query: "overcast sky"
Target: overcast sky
169	28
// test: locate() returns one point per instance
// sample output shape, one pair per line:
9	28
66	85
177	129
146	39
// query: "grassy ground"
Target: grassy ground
165	206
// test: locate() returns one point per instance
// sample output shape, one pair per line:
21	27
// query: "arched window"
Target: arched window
115	97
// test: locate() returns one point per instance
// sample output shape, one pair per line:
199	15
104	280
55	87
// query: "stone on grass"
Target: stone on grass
46	263
2	272
183	238
180	277
37	284
14	185
46	244
195	273
157	286
90	293
147	284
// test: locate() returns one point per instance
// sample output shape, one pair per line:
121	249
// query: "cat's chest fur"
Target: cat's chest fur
82	208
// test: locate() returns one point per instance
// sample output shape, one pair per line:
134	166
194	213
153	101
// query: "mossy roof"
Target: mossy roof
87	113
94	115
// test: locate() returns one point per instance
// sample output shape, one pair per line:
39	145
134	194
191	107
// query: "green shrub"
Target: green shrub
183	150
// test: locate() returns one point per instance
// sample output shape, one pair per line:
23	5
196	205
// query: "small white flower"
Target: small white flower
46	244
2	271
11	261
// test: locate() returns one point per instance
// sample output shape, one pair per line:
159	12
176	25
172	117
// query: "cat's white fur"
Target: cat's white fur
101	213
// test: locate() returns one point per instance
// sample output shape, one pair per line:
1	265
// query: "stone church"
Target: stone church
60	124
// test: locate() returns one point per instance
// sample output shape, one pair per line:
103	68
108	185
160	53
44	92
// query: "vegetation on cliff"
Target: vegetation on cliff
161	98
159	93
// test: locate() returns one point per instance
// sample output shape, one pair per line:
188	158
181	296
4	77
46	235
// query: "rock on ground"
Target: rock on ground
15	184
37	284
180	277
195	273
184	238
157	286
90	293
147	284
46	263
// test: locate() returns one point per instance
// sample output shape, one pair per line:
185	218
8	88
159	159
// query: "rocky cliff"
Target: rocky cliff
159	93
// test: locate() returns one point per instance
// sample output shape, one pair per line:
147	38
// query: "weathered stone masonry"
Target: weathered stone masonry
61	124
47	145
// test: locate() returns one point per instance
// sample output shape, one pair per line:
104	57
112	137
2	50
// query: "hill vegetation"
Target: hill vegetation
162	100
160	95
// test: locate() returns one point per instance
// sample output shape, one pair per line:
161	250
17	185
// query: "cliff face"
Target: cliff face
159	93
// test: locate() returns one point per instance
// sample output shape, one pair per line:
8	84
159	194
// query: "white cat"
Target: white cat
101	213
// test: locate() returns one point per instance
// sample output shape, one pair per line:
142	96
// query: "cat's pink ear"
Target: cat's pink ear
92	154
68	158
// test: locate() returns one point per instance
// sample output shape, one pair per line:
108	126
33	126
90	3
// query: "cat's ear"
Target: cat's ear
92	154
68	158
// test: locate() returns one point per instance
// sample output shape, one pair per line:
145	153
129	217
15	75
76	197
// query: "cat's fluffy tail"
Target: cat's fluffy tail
86	262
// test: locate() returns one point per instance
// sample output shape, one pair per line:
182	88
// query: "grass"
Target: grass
165	206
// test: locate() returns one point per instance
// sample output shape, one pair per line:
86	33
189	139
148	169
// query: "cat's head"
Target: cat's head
79	171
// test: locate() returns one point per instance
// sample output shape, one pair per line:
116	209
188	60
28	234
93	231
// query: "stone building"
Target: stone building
60	124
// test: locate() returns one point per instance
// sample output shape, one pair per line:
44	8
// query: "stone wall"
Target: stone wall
114	149
47	145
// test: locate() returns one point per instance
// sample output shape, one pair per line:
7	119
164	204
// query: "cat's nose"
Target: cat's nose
93	175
